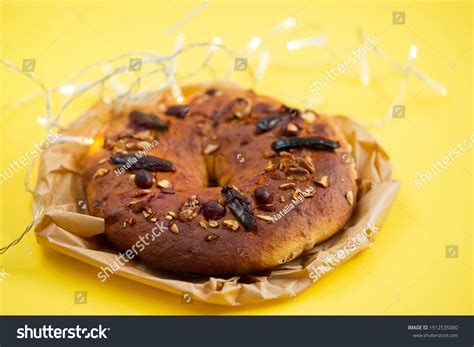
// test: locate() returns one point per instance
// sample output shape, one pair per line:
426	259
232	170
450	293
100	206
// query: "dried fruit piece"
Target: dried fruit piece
179	111
322	181
350	197
299	142
148	120
189	209
240	207
231	224
100	173
143	179
211	91
147	162
263	195
213	210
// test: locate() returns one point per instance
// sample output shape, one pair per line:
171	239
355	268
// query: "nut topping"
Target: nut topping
213	224
189	209
307	163
211	237
286	186
264	217
268	155
292	130
350	197
231	224
298	174
174	228
164	184
322	181
140	193
309	116
211	148
100	173
270	167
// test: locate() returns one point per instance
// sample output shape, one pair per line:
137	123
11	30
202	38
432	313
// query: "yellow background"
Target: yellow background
405	272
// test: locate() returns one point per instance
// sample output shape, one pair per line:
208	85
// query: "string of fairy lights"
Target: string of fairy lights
166	66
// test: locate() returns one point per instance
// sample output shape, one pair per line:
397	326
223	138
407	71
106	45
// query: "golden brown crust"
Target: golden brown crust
216	125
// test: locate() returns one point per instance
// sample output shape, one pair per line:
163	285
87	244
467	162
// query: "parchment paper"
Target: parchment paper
67	228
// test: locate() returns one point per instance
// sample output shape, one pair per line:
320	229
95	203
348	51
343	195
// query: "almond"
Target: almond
231	224
164	184
101	172
322	181
285	186
264	217
211	148
350	197
174	228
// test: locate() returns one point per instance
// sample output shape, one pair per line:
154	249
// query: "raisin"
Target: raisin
148	120
213	210
179	111
143	179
